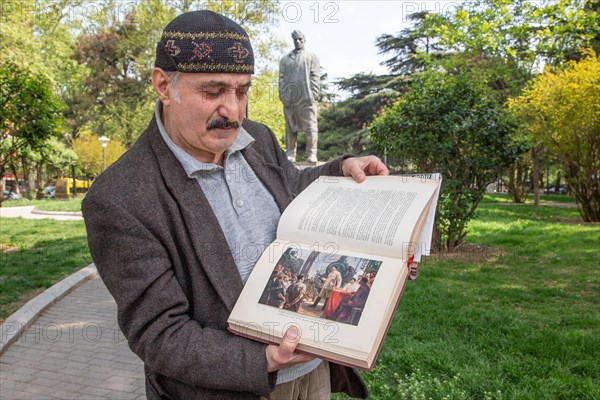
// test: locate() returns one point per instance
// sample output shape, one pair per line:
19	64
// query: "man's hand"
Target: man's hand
359	167
283	356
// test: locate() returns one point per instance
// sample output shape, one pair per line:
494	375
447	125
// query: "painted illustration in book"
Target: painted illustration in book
321	284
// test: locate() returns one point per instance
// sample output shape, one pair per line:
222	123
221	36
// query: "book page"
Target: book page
423	244
350	327
377	216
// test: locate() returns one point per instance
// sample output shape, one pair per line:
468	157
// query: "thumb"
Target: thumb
289	343
284	355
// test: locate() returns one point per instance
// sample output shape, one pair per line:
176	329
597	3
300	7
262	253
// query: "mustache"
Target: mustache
222	123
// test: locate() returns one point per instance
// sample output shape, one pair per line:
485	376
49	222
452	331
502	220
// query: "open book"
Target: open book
339	265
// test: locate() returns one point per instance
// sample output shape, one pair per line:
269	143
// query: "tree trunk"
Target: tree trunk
28	177
586	192
511	184
516	182
15	183
536	177
436	240
38	181
39	175
74	188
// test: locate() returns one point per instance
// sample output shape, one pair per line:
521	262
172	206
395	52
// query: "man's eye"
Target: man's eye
213	93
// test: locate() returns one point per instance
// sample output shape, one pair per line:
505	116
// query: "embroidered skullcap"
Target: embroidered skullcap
204	41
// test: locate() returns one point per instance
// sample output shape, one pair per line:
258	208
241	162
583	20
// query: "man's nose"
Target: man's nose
230	105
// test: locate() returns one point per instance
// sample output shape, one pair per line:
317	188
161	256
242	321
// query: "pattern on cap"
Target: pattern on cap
204	41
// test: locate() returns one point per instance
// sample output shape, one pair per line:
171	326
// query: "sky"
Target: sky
342	33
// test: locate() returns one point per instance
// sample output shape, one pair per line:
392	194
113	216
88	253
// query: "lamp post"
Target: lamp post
104	141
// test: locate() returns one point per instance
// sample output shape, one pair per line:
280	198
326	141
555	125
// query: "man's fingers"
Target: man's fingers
288	344
378	168
283	355
356	171
358	168
374	166
358	174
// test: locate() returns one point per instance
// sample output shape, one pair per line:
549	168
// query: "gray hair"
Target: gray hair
173	77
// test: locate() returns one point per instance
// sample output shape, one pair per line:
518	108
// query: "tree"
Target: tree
31	30
569	27
119	55
454	125
497	41
507	43
264	105
116	82
29	114
517	179
343	124
37	166
561	109
411	48
257	17
593	8
89	153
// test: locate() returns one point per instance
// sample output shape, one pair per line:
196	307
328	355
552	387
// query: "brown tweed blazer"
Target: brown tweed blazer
163	256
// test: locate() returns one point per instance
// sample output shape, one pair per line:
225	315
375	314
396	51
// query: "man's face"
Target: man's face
204	112
298	42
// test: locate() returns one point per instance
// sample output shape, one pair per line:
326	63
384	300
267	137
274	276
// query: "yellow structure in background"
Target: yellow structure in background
63	188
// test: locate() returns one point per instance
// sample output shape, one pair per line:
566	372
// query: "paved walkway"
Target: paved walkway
74	350
28	213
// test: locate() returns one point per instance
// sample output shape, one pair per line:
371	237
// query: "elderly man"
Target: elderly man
299	89
169	222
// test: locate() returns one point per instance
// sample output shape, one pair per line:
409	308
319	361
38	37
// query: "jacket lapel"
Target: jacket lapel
271	175
207	237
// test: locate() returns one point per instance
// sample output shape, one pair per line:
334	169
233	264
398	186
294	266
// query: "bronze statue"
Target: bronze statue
299	88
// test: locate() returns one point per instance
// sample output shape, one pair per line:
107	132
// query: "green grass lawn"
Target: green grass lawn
47	204
544	198
35	254
518	318
75	204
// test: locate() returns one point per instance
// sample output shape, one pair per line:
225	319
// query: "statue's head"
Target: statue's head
299	39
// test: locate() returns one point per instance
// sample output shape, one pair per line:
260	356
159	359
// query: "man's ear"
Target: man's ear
160	81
